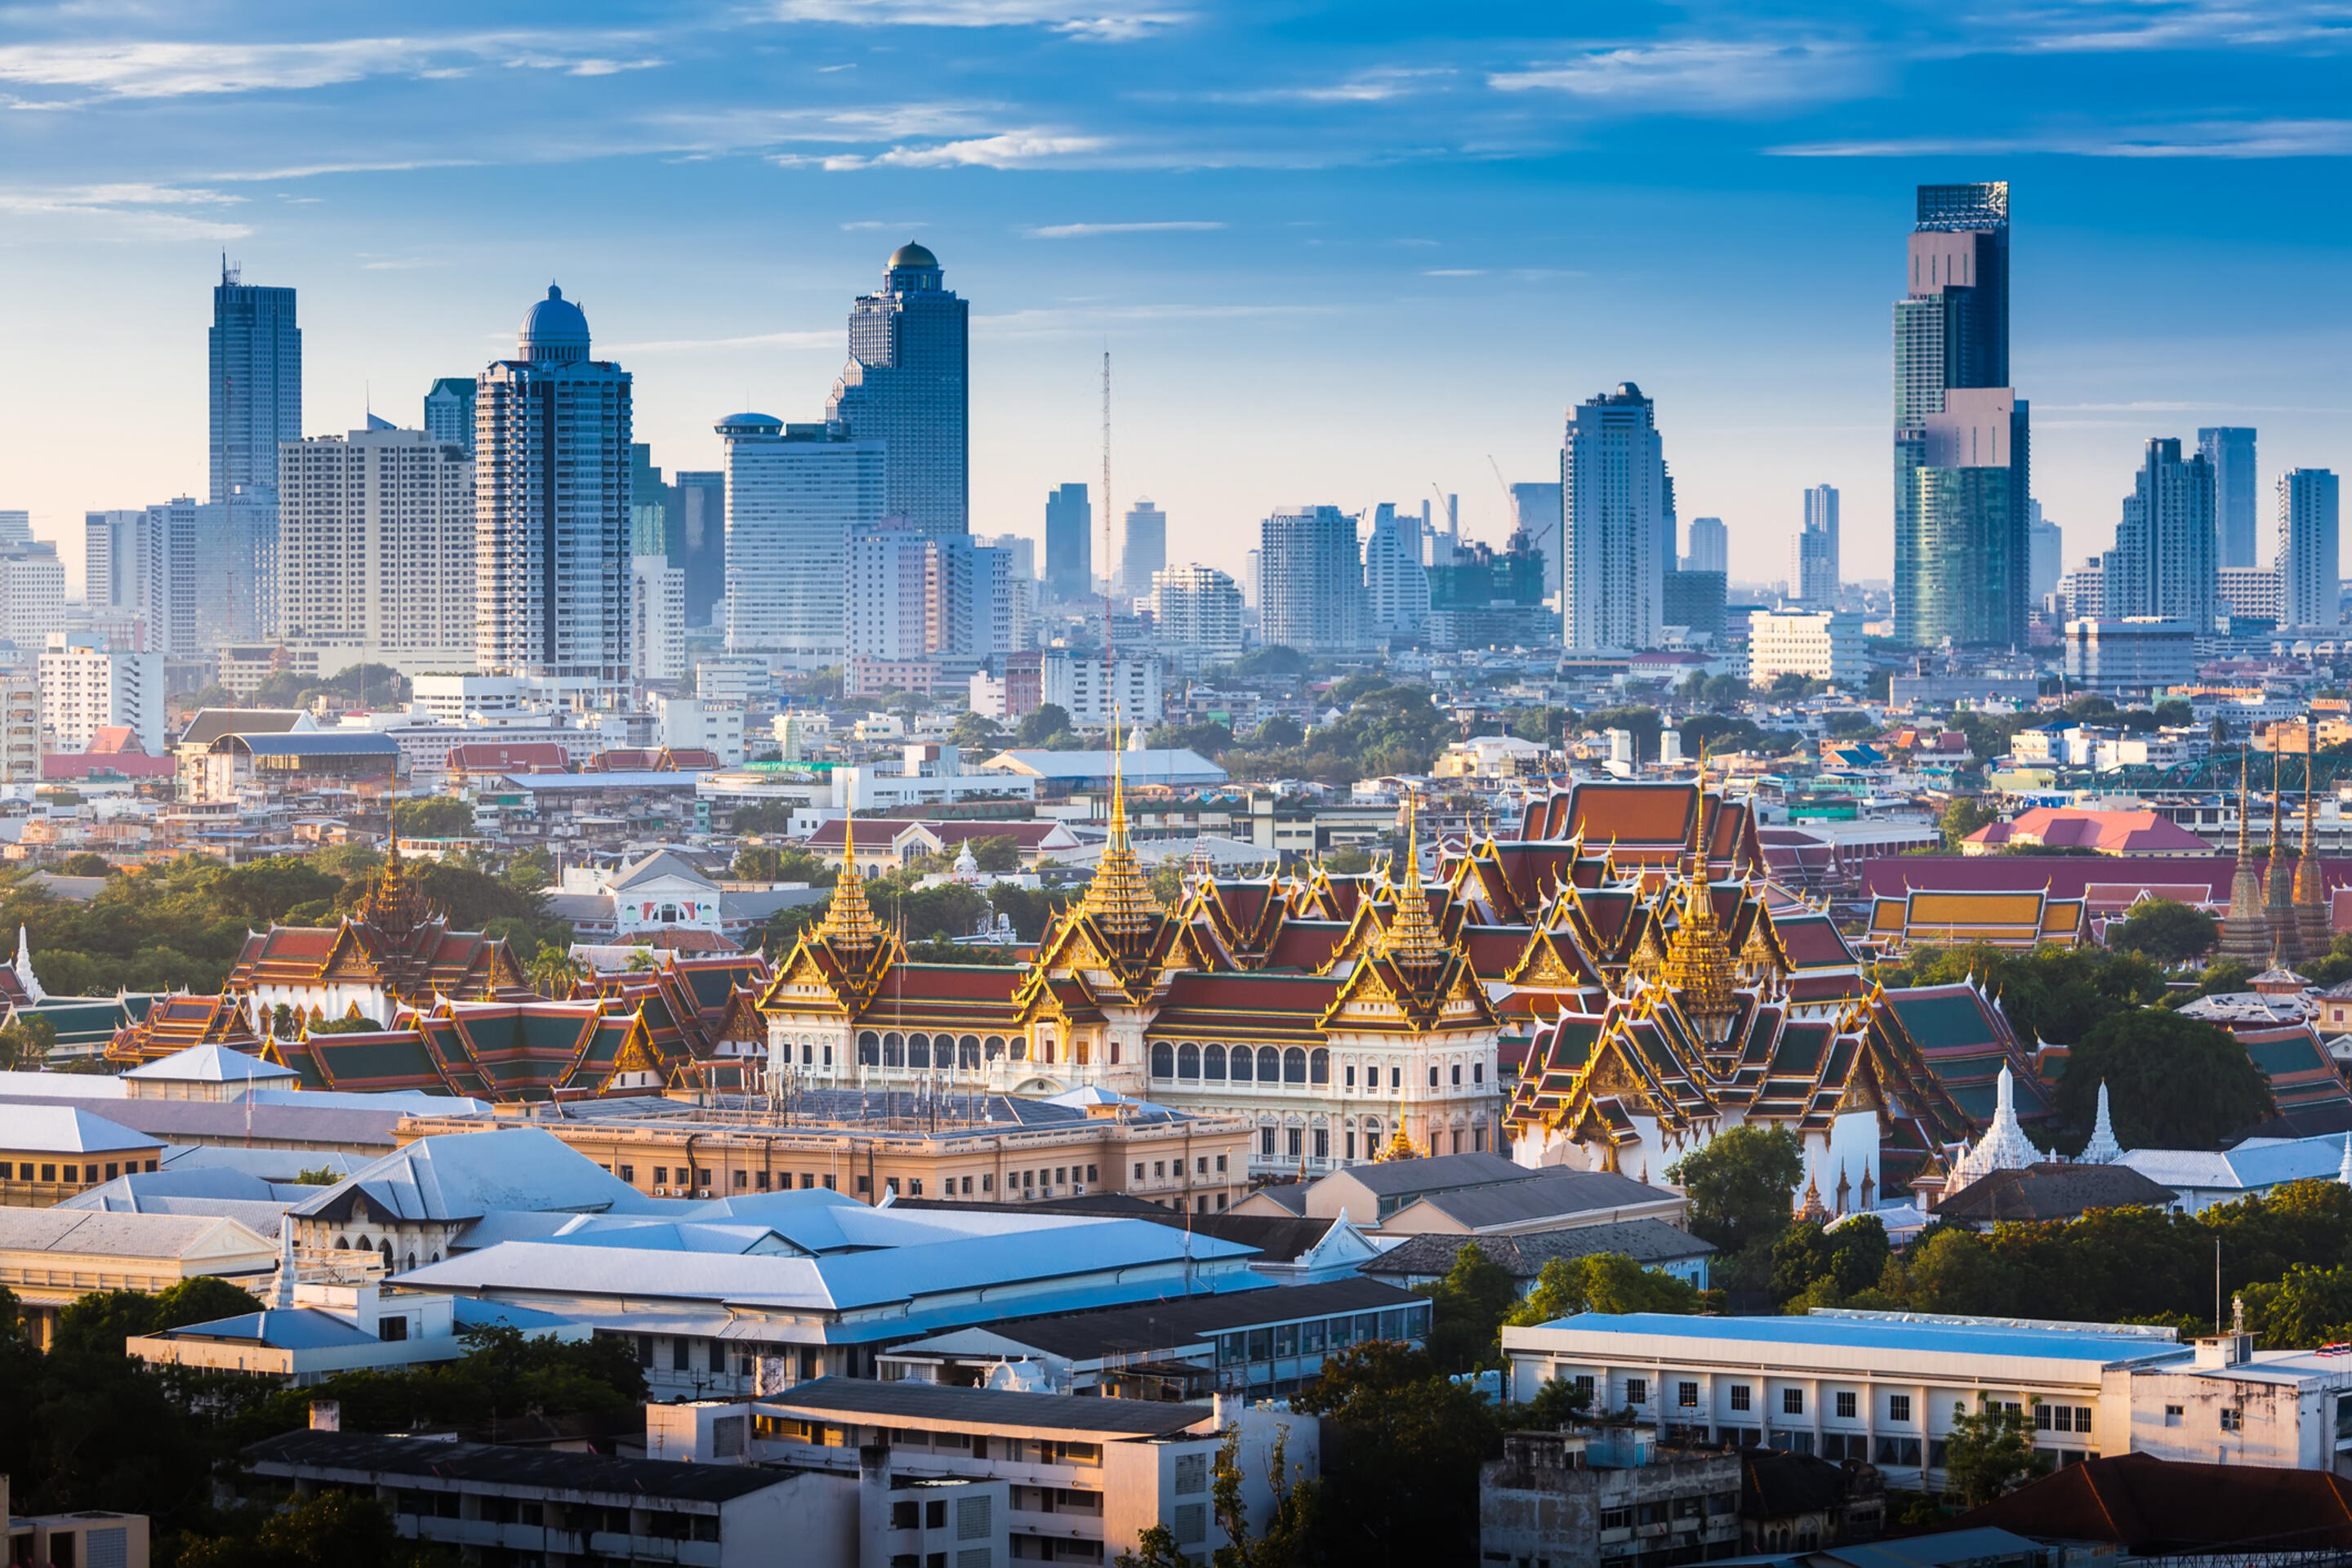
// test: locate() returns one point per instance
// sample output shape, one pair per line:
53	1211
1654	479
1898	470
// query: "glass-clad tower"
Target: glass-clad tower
906	383
255	384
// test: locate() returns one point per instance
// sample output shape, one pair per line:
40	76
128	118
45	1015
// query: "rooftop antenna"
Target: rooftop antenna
1110	664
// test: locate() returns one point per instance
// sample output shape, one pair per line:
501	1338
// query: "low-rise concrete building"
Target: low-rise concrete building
50	1258
52	1152
91	1539
1579	1501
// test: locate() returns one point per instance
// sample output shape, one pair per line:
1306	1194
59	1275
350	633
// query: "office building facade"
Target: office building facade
2229	450
209	577
114	553
1198	609
1710	546
908	384
1813	568
1616	524
2308	556
657	619
1310	580
256	354
552	581
375	548
1816	645
972	604
889	592
1143	548
698	512
1069	543
449	412
32	591
796	494
1962	557
2165	562
1396	583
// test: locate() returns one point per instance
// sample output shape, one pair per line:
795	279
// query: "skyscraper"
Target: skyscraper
1962	448
795	494
449	412
1616	524
906	383
552	579
1813	568
2308	548
889	592
2229	449
2163	559
1396	583
1310	580
1710	546
656	618
209	576
2047	543
1069	543
375	543
1199	610
1143	549
257	384
114	552
697	526
651	530
1535	511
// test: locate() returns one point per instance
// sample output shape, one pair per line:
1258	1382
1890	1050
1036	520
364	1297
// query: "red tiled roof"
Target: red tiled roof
2066	876
521	756
2108	832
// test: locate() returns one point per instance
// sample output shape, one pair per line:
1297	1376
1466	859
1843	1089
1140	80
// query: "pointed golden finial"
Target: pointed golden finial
1413	938
849	920
1120	897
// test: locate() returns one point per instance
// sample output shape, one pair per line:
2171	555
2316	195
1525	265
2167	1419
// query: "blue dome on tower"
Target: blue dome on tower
554	330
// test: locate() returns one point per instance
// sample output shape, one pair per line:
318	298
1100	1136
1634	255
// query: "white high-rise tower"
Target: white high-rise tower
1617	524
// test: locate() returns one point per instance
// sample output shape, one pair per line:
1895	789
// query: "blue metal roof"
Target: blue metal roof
1991	1338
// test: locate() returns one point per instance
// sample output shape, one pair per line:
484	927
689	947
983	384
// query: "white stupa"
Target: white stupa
2103	1149
2003	1147
2343	1170
25	968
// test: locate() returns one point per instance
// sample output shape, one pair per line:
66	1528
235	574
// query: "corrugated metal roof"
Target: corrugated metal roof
624	1481
1979	1337
51	1129
464	1175
915	1404
112	1235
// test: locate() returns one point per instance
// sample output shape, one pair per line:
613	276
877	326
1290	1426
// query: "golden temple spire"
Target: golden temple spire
1699	968
1413	938
849	920
1120	897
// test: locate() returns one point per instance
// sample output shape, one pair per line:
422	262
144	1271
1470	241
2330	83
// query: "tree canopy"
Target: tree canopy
2173	1082
1738	1184
1407	1489
2166	930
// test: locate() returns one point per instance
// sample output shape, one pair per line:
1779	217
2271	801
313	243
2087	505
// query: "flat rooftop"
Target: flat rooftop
1949	1337
426	1459
936	1407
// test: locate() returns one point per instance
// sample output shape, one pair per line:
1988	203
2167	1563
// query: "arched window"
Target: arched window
1457	1075
1293	1065
869	1049
342	1244
385	1248
1269	1065
412	1261
1371	1137
968	1052
1018	1047
365	1245
1163	1060
1241	1063
894	1049
1318	1067
995	1046
436	1257
1214	1066
1188	1062
919	1050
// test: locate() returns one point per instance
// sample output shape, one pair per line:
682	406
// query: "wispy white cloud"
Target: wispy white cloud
2208	139
2118	26
171	69
1379	85
1454	272
866	223
313	171
1701	74
128	211
1007	150
1089	231
1055	16
1092	318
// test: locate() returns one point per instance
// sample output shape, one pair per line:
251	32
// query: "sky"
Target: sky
1339	254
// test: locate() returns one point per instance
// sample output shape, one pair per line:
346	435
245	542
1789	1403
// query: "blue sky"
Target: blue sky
1339	253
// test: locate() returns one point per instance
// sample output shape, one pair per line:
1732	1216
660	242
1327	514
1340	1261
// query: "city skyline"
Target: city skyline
1363	196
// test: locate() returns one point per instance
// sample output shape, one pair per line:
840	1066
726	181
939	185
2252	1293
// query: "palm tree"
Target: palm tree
552	973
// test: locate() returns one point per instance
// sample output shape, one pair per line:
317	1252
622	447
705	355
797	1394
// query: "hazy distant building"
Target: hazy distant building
974	606
1199	610
657	619
2164	564
1710	546
1143	549
2308	548
15	526
552	587
889	592
1813	567
1024	550
255	353
795	494
32	591
2251	597
449	412
1962	441
375	548
1535	512
1616	524
652	531
85	688
1310	580
2047	543
1069	543
114	551
209	577
2230	452
906	383
697	525
1396	583
1693	601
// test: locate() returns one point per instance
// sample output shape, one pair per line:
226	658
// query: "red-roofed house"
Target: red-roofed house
496	757
2108	832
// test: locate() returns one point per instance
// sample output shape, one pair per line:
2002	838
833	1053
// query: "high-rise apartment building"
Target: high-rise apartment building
1962	445
2165	560
552	578
975	609
1069	544
2046	542
1023	551
1617	526
375	548
449	412
209	576
32	591
1310	580
796	494
1813	564
16	527
1396	583
1198	609
908	384
2307	553
657	618
697	526
889	592
2230	452
651	530
114	550
85	688
1535	513
1710	546
21	741
257	384
1143	549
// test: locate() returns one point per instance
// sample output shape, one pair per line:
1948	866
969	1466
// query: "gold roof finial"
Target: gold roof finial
1120	897
1413	937
849	920
1699	968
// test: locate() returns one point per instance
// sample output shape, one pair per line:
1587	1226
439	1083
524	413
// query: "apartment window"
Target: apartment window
1266	1141
1350	1144
1296	1146
1322	1144
1090	1172
987	1181
1792	1402
2173	1413
1845	1407
702	1178
661	1175
743	1180
2233	1420
629	1175
1432	1075
1199	1166
1457	1075
1160	1168
967	1186
1637	1390
681	1356
1478	1072
1138	1170
1898	1407
865	1185
1740	1396
1687	1395
1347	1075
765	1179
915	1187
1221	1164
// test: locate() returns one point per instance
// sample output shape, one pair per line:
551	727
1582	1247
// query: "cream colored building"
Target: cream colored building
375	548
1819	644
51	1257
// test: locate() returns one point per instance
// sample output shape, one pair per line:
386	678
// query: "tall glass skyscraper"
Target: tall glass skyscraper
1813	564
257	384
2231	450
796	495
1310	580
1069	543
907	383
2308	584
1617	524
1963	559
2164	563
450	411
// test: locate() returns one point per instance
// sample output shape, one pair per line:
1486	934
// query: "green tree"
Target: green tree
2163	929
1558	1403
1288	1538
552	973
264	891
26	1041
328	1529
531	871
1645	723
1739	1184
783	863
2309	1307
1467	1311
1963	817
1043	725
316	1176
1851	1259
1276	732
1406	1490
1990	1452
998	852
976	733
1602	1282
1544	726
1155	1547
85	865
433	816
2174	712
2173	1082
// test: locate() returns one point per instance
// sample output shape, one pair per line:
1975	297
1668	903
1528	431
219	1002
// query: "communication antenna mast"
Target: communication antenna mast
1109	587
